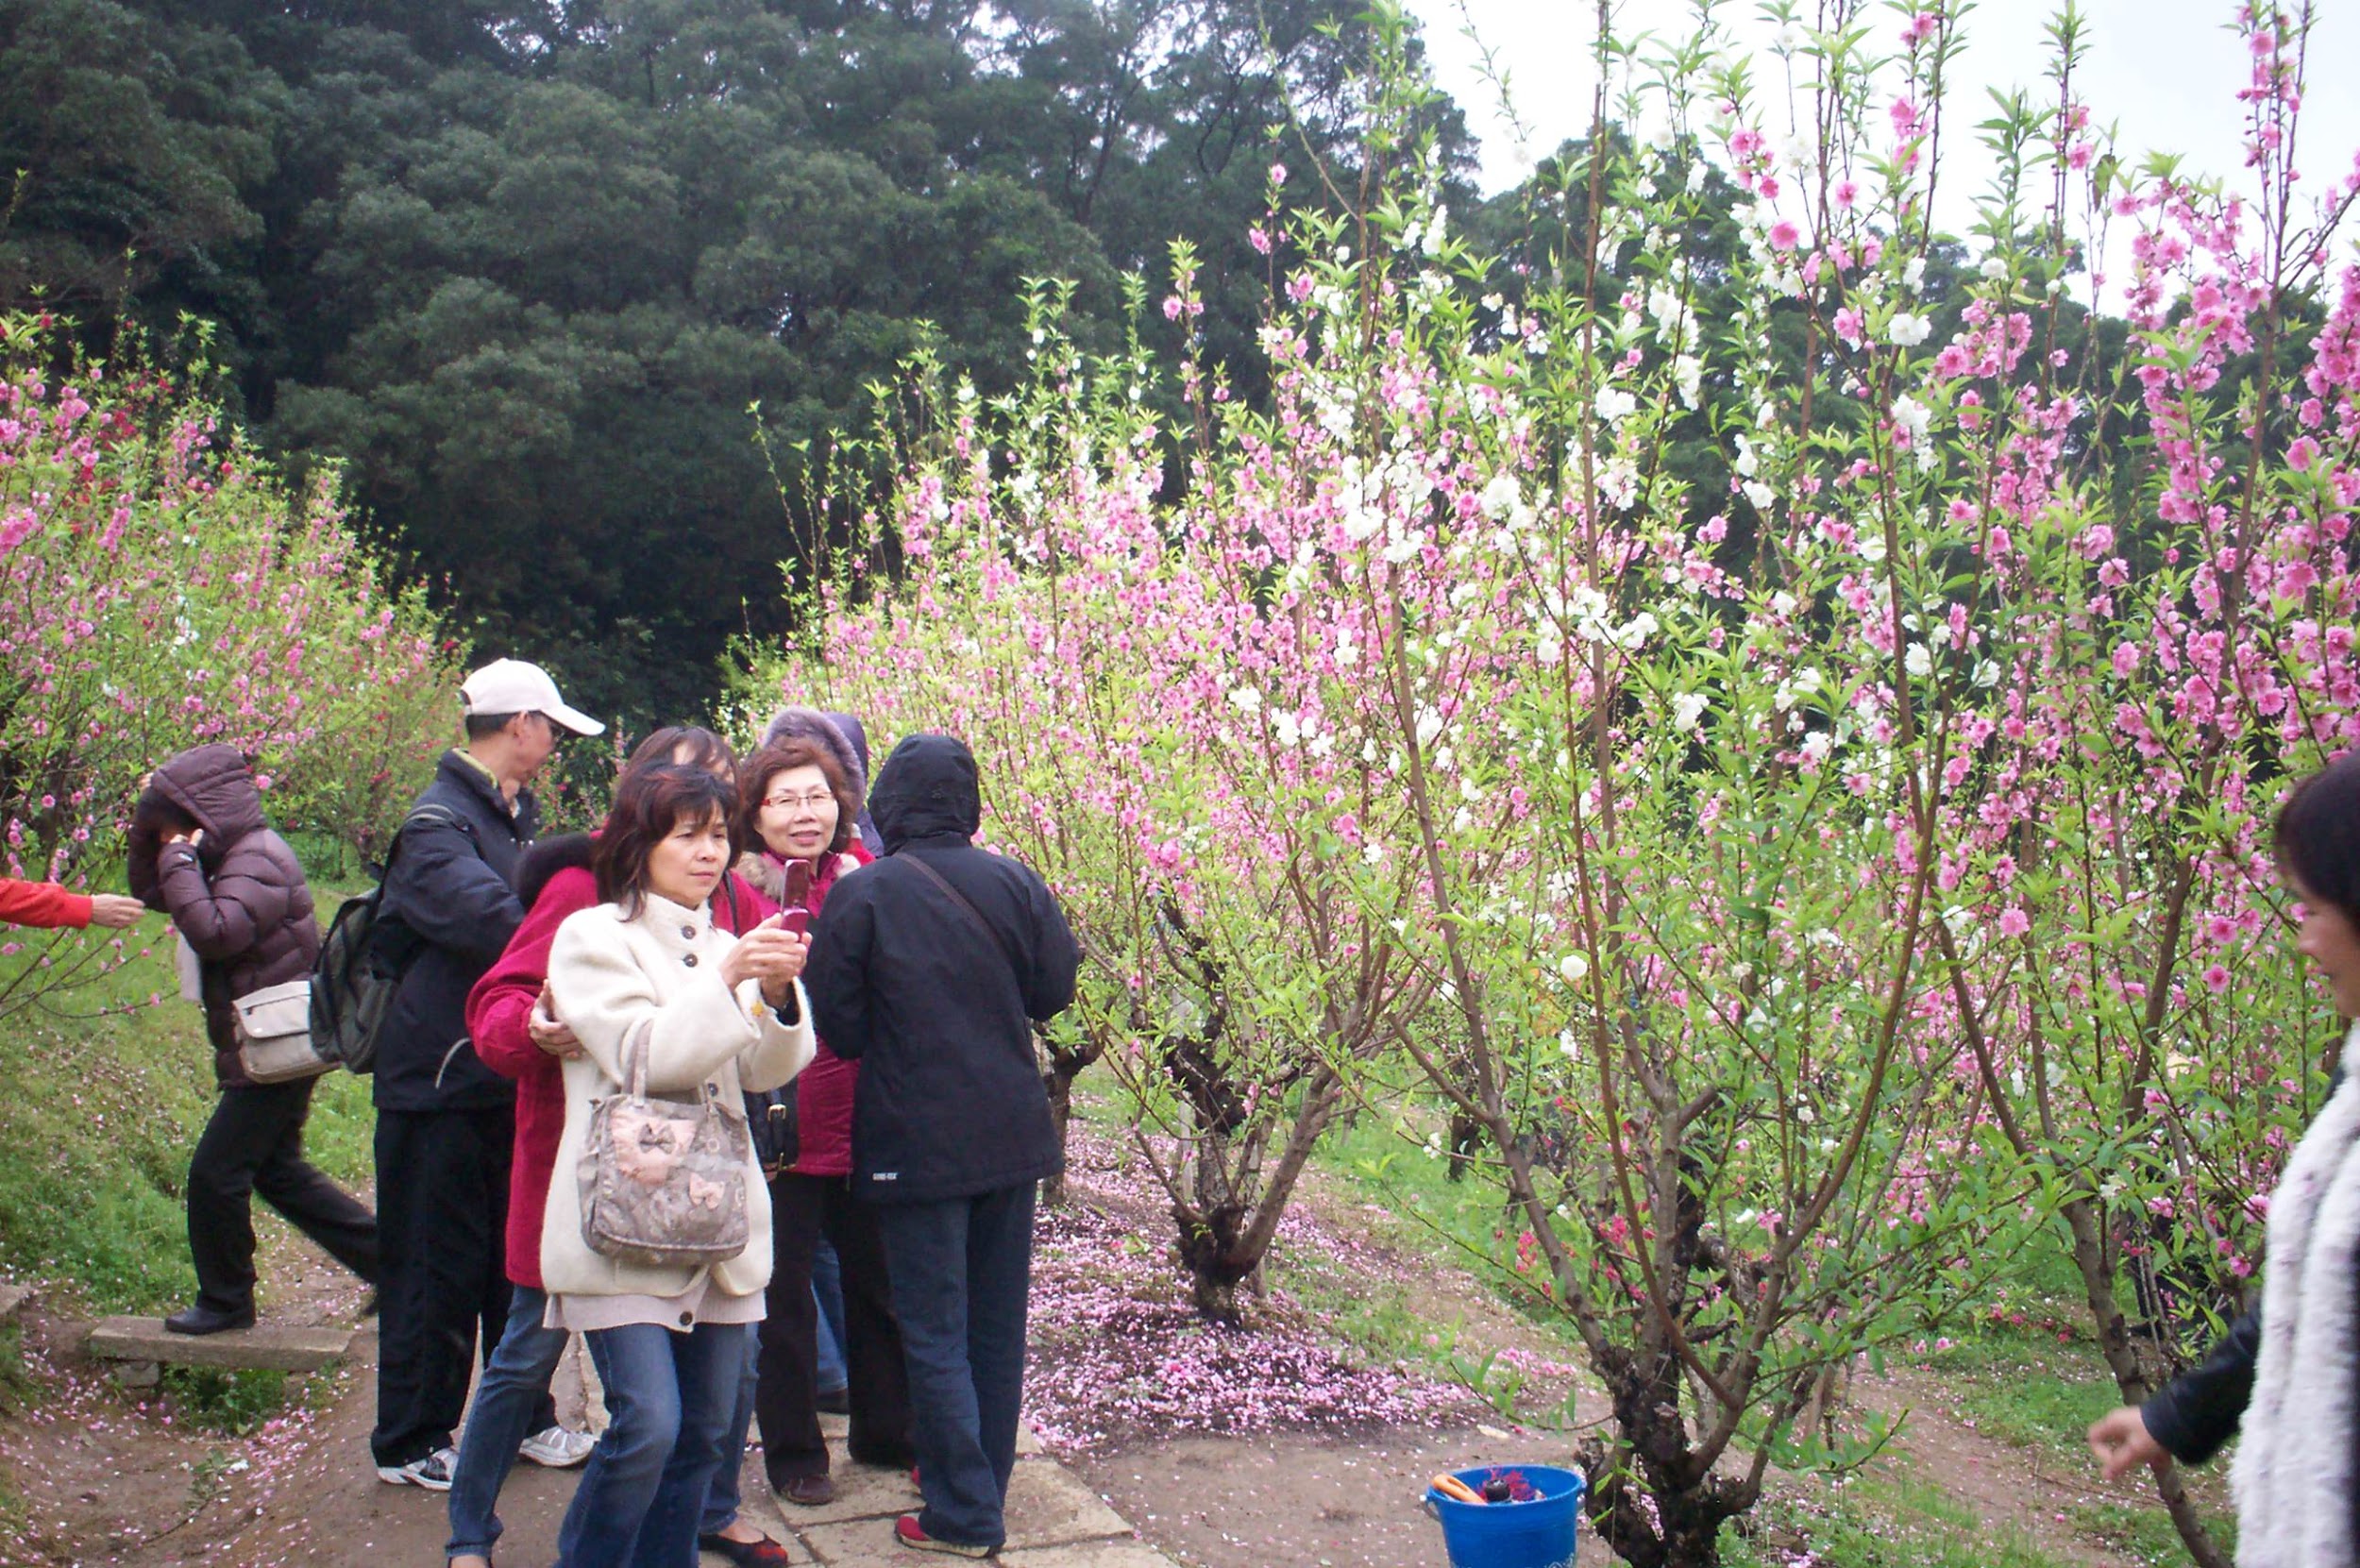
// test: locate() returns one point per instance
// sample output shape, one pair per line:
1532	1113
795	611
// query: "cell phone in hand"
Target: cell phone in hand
797	899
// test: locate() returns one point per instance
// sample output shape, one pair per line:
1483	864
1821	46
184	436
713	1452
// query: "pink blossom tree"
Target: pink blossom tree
159	587
1852	847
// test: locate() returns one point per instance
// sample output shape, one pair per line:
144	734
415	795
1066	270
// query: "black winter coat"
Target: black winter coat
939	1012
238	897
2199	1410
453	892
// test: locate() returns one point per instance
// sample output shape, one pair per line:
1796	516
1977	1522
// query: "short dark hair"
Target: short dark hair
780	757
480	725
2316	841
705	750
648	805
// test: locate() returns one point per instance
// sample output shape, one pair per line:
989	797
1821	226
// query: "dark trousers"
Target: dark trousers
442	1214
254	1144
787	1373
961	1270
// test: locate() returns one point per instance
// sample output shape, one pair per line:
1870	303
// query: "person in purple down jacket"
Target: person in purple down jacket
201	852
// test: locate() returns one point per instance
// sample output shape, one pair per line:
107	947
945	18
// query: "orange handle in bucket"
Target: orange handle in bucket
1453	1488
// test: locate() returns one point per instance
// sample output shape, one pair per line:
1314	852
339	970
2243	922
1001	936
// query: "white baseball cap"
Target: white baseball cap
513	687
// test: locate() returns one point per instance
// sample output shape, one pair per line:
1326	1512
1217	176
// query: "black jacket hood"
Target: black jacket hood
927	789
212	785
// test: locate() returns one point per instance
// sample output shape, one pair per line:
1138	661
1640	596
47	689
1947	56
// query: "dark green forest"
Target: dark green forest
527	271
526	268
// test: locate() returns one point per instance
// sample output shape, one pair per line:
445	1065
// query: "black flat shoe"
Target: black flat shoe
765	1553
201	1319
834	1402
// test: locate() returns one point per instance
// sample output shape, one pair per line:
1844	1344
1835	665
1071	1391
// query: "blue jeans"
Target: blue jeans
961	1270
670	1394
827	1289
506	1402
722	1498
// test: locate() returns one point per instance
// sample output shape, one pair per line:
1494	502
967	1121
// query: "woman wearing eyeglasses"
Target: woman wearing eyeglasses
800	803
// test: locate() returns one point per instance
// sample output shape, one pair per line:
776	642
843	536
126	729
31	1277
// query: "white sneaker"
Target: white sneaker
557	1447
433	1472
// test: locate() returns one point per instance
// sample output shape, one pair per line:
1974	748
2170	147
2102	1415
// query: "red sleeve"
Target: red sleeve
501	1003
42	904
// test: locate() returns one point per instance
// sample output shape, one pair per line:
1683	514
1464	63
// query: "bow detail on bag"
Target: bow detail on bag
663	1181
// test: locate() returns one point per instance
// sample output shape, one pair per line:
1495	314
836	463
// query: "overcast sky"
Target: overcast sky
2165	73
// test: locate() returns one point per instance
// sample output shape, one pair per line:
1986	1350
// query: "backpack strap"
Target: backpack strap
972	913
424	812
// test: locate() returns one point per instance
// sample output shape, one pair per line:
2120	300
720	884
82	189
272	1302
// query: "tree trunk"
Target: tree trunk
1059	1081
2091	1255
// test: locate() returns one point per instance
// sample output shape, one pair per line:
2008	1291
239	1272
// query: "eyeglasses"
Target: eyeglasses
812	800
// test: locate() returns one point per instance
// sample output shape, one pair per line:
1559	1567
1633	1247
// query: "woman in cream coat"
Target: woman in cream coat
720	1015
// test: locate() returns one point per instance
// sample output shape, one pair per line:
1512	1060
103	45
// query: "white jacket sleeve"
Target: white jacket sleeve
602	992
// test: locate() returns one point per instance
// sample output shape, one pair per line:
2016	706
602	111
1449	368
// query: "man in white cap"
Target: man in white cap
445	1121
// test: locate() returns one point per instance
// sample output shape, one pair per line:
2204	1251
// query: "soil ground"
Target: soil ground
113	1477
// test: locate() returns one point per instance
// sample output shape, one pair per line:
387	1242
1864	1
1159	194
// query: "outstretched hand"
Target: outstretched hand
2121	1441
115	911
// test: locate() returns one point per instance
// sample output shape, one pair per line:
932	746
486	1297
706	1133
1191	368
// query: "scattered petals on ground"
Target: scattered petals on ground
1120	1355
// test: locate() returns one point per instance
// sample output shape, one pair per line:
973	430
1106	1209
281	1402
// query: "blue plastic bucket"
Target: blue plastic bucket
1537	1533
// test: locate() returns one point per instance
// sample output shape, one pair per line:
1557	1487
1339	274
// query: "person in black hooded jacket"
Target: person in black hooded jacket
201	852
931	967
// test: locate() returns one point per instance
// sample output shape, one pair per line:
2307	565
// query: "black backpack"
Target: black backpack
362	960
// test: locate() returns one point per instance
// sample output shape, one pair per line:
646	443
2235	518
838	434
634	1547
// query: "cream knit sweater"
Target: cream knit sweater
607	973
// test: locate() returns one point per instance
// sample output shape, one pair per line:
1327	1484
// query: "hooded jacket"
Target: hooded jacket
938	1012
453	891
238	895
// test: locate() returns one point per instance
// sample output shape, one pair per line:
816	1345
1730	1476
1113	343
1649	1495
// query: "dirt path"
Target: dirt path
110	1476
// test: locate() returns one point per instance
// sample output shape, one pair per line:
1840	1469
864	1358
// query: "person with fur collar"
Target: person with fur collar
716	1016
796	805
2289	1371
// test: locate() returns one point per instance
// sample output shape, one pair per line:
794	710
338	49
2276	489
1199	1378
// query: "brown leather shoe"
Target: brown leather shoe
805	1492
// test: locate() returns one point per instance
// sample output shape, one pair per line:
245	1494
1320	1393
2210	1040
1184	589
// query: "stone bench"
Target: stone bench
143	1343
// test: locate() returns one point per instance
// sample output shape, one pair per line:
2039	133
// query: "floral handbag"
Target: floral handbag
662	1181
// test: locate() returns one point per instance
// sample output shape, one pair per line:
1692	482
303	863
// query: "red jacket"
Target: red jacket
42	904
498	1011
823	1090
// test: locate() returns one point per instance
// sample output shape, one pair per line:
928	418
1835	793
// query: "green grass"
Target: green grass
2145	1534
1880	1522
2026	1388
101	1108
18	1386
220	1399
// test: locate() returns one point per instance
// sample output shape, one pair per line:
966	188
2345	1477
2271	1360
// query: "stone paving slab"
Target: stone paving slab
147	1340
862	1491
1055	1520
1090	1554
